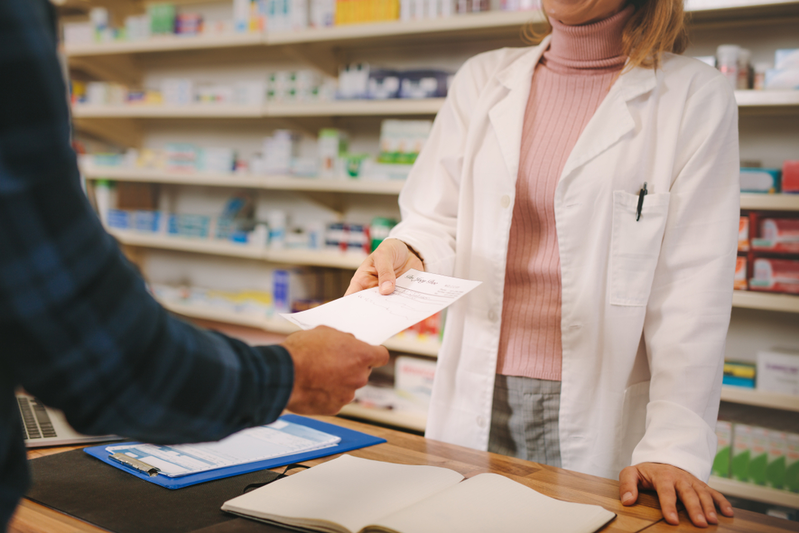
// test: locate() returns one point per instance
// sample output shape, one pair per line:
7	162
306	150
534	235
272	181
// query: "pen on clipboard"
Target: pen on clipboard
641	194
135	464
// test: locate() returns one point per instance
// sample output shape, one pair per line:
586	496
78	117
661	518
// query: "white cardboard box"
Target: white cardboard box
778	372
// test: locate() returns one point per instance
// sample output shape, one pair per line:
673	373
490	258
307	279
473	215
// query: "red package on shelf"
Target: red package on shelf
775	275
739	283
743	234
778	235
790	176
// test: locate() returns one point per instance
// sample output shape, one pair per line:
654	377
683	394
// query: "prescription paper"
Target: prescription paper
374	318
250	445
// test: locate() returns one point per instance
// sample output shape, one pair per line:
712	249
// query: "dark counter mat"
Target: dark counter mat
84	487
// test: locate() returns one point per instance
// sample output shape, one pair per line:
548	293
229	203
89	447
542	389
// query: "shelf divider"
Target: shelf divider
750	491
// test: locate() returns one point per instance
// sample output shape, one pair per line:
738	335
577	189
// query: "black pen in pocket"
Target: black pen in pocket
641	194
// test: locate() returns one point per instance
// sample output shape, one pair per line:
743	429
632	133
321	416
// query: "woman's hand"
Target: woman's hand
391	259
670	483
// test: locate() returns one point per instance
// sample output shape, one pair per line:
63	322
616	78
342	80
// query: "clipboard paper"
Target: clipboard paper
350	440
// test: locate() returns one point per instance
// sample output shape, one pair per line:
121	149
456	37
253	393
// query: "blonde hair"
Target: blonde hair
655	27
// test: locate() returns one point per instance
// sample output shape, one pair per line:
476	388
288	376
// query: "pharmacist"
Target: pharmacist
591	184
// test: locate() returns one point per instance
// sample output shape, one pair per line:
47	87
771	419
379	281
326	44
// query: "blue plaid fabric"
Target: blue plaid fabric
77	327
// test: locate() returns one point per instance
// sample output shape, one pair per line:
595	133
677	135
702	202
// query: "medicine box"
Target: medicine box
778	235
760	180
775	275
758	455
778	372
739	374
790	176
743	234
741	452
721	463
792	463
786	58
413	378
777	451
739	281
782	78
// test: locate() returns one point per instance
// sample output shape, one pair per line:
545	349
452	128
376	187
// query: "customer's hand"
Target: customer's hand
329	366
670	483
391	259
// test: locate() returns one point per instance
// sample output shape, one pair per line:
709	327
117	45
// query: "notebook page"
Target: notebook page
491	502
349	491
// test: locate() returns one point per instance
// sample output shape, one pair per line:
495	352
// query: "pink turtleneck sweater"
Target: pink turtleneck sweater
569	83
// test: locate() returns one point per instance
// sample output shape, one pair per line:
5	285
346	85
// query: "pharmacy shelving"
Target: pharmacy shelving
166	43
246	251
786	303
760	399
492	24
750	491
770	202
332	108
86	111
272	182
400	343
426	106
771	98
750	101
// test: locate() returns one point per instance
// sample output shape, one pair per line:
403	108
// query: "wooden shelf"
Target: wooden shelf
399	343
767	102
749	491
315	258
273	182
767	98
771	202
230	249
166	43
427	106
489	25
767	301
754	101
761	399
275	325
182	244
84	111
385	416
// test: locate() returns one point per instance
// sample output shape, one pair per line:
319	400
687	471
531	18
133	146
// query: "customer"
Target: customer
590	183
77	326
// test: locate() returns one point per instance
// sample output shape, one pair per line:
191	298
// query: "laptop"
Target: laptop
44	426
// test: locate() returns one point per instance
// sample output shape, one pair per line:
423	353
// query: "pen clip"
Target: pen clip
135	464
643	192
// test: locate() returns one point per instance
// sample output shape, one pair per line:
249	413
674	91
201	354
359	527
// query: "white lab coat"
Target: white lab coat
645	304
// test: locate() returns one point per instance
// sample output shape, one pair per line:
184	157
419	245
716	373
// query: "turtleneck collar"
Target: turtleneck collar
590	46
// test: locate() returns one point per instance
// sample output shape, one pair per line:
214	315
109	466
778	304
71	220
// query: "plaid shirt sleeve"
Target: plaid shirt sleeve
78	327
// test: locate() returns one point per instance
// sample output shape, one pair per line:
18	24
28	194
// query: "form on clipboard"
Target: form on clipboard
255	444
374	318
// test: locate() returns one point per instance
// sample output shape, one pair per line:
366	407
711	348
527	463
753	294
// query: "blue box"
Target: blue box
147	221
119	219
761	180
189	225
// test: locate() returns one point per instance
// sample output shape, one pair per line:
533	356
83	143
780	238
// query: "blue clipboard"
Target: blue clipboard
350	440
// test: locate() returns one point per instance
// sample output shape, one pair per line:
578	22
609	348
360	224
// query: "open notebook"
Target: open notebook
351	495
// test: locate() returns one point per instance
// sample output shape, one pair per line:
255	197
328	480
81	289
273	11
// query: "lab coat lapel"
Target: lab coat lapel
612	119
507	114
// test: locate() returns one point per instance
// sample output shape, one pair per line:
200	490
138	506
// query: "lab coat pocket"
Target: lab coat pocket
635	246
633	424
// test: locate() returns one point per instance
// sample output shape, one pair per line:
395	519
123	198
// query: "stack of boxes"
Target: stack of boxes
758	451
768	258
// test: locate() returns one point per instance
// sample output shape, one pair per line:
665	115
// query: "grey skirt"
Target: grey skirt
524	419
